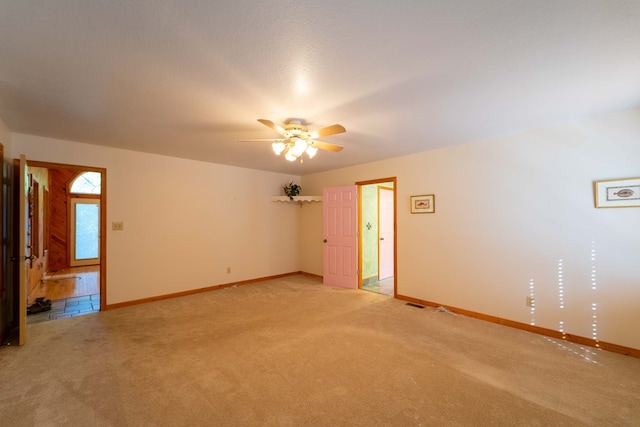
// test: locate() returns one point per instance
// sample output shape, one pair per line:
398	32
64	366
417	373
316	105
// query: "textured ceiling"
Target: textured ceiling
189	78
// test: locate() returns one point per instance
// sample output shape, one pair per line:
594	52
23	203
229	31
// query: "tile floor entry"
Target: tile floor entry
70	307
384	286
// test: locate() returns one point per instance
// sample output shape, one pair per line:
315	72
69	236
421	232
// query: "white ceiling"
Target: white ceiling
189	78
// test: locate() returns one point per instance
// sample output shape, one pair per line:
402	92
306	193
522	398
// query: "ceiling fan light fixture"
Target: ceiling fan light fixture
289	156
295	139
278	147
299	146
311	151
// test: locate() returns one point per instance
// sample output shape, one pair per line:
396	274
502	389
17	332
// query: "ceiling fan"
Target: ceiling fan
297	139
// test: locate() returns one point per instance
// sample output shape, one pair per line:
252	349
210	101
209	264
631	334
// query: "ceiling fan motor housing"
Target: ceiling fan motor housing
295	127
297	139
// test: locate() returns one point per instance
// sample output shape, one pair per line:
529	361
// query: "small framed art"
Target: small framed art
423	204
617	193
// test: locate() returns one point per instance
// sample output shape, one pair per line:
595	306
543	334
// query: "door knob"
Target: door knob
324	241
382	238
23	258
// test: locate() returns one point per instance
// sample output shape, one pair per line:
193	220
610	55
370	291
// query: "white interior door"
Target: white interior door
85	232
385	233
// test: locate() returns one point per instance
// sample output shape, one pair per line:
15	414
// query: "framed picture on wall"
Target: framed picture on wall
617	193
423	204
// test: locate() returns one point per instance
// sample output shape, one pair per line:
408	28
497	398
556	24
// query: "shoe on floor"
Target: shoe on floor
38	307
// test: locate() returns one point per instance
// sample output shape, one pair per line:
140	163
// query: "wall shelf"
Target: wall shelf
297	199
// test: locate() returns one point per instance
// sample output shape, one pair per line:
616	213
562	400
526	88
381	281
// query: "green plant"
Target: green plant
291	190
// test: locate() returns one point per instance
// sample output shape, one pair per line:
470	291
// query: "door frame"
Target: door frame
359	184
22	196
103	216
5	282
382	188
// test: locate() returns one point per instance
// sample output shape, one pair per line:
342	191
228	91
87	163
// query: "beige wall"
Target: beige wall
510	212
5	136
185	221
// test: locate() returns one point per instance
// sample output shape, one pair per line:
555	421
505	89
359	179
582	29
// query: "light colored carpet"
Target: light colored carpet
294	352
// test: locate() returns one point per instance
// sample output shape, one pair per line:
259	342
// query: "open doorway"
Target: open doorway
65	275
377	235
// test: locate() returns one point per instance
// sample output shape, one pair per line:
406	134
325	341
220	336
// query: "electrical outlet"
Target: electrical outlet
228	270
117	226
530	301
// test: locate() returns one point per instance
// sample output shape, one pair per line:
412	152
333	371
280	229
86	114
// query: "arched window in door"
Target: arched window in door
87	183
85	219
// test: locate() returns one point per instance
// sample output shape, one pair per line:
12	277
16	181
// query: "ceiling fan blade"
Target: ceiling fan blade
329	130
270	124
262	140
326	146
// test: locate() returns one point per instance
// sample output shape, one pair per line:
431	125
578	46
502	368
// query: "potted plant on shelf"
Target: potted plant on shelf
291	190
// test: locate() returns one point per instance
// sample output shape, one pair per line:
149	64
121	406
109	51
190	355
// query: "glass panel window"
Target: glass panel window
87	183
87	230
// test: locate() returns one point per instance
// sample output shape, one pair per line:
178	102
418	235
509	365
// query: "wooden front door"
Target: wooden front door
23	252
